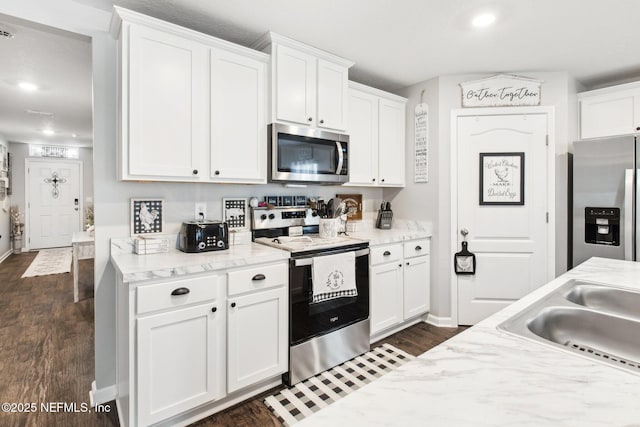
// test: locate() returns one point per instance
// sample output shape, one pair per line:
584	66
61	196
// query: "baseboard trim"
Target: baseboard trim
6	255
103	395
442	322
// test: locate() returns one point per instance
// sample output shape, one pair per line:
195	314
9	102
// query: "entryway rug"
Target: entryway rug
293	404
50	261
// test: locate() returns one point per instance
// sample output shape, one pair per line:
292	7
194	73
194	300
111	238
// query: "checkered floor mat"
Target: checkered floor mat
303	399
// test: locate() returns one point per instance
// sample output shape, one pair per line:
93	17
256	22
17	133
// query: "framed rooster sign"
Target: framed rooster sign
147	216
502	179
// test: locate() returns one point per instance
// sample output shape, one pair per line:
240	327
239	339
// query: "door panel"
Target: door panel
54	187
363	137
510	241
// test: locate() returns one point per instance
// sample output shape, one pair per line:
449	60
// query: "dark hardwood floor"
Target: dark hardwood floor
47	350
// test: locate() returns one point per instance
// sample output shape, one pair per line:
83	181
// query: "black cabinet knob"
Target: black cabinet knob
399	265
386	253
321	121
407	263
638	128
180	291
195	171
233	304
310	119
216	173
373	180
214	309
382	180
263	217
418	248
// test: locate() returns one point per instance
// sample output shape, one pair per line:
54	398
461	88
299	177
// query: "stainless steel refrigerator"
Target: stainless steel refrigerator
605	198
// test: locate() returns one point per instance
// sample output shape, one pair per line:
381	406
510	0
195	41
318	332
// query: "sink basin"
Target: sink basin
606	299
590	319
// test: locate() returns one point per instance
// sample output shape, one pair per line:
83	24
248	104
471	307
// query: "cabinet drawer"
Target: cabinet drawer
387	253
417	248
257	278
176	293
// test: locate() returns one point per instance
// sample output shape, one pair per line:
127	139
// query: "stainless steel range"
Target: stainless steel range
328	327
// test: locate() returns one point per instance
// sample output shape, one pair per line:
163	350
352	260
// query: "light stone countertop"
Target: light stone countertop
402	230
135	268
485	377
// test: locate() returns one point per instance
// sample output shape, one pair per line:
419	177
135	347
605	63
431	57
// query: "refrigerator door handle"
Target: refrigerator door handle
628	214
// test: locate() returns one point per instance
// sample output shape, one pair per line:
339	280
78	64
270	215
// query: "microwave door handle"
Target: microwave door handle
628	214
340	157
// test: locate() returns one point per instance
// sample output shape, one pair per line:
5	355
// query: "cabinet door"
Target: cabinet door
295	92
386	296
363	138
332	95
610	114
416	286
180	361
258	346
167	106
238	122
391	143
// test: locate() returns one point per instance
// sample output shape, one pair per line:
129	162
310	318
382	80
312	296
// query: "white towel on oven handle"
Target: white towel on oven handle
334	276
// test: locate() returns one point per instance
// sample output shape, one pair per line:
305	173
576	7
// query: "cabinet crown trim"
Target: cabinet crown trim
609	89
274	38
376	92
121	15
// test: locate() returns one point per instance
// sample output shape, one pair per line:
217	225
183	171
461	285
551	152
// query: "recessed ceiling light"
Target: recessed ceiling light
74	135
483	20
29	87
48	132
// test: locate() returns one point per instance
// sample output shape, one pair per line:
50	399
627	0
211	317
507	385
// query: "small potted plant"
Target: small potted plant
16	228
88	220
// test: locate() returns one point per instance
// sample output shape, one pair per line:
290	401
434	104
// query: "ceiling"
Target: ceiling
59	63
394	45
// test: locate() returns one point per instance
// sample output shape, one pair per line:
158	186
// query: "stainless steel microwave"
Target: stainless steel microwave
304	155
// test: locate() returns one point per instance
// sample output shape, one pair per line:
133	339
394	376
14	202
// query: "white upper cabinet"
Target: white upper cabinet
309	86
166	104
238	119
376	137
192	107
610	111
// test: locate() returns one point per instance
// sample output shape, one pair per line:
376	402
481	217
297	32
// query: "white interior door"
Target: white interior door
53	202
509	239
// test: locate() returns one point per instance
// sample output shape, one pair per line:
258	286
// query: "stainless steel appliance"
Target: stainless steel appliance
203	236
300	154
605	198
321	334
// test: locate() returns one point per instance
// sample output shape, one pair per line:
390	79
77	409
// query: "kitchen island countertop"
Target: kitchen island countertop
486	377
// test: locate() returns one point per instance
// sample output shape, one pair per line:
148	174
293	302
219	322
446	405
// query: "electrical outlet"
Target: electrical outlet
200	212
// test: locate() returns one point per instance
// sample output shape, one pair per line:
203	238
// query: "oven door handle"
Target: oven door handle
309	261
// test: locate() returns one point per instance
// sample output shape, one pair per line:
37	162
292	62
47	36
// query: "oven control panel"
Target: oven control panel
278	217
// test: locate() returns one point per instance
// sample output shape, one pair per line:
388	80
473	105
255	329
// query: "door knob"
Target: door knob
464	232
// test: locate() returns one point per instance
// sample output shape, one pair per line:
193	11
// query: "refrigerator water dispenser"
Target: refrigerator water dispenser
602	226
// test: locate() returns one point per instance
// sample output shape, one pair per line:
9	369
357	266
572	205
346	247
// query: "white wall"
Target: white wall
435	195
5	221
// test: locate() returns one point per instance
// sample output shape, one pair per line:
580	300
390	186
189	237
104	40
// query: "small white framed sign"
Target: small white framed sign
147	216
235	213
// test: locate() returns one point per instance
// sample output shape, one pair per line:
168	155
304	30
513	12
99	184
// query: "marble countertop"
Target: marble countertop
402	230
135	268
485	377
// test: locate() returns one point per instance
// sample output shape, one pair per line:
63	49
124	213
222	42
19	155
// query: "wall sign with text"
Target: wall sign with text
501	91
502	178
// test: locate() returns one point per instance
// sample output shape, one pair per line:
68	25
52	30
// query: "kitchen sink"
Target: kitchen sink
590	319
606	299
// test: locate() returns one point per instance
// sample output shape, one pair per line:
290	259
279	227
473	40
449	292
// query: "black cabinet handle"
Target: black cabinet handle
321	121
386	253
310	119
418	248
259	277
399	265
373	180
216	173
180	291
382	180
233	304
638	128
214	309
407	263
195	171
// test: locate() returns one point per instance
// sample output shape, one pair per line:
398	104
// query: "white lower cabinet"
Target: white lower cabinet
179	361
257	337
188	347
399	286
